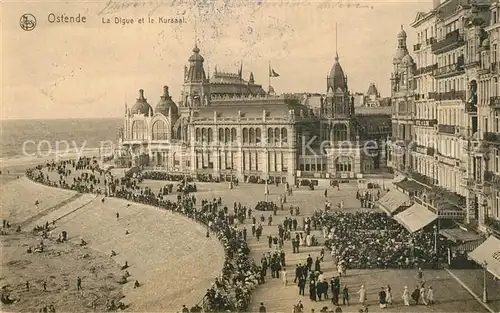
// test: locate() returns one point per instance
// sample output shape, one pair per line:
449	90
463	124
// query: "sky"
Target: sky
90	70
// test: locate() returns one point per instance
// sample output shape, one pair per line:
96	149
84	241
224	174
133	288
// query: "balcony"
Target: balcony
447	129
417	47
449	70
452	41
423	179
494	67
492	178
450	95
423	150
493	225
495	102
427	69
491	137
430	41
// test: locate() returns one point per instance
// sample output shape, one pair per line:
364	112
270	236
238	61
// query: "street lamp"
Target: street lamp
435	239
485	287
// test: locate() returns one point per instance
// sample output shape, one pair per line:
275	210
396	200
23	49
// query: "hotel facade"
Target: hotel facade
446	109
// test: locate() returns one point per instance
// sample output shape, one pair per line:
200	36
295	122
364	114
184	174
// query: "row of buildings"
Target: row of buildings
445	143
225	126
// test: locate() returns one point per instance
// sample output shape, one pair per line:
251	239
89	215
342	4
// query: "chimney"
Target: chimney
141	94
165	91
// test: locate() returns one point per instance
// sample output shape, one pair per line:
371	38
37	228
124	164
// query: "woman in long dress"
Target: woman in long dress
283	275
430	296
388	295
406	296
362	294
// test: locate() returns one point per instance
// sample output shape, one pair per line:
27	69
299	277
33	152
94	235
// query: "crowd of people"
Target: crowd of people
374	240
240	274
154	175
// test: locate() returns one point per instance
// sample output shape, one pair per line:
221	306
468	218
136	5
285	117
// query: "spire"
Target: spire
336	43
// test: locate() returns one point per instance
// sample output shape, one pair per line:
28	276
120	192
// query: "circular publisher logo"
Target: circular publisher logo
27	22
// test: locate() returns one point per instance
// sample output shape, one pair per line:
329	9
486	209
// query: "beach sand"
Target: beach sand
167	253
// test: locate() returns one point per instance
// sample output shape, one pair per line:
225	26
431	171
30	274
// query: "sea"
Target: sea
34	137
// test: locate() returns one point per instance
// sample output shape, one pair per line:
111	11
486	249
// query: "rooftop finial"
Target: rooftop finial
401	26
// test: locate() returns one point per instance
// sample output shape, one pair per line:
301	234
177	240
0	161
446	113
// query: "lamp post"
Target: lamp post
485	287
435	239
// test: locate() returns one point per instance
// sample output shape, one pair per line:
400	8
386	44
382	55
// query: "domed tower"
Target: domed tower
196	88
338	104
404	66
167	106
141	105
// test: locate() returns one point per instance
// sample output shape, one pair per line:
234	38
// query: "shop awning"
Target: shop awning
399	178
392	201
488	251
415	217
410	185
459	235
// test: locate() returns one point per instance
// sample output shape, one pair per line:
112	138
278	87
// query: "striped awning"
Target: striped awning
392	201
459	235
489	252
415	217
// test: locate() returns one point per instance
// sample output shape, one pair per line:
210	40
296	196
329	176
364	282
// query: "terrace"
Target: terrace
451	41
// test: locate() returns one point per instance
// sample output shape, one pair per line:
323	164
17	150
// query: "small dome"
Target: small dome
399	55
141	106
407	60
196	57
166	105
402	33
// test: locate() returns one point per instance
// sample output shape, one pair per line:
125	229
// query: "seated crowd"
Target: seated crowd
374	240
240	273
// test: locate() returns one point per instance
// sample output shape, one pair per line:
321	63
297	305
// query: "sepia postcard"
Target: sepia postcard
250	156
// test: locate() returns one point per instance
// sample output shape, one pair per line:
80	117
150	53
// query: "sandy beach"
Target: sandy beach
167	253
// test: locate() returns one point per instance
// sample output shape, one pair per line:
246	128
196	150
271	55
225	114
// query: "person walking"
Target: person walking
381	298
362	295
430	296
345	295
406	296
262	308
388	298
284	277
78	283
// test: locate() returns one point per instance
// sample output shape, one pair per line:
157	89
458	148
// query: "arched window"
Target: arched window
270	136
233	135
138	130
251	135
221	135
245	135
258	136
227	135
343	164
160	130
204	136
210	135
277	135
197	135
339	132
284	135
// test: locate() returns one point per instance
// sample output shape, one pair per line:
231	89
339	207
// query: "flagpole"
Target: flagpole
269	85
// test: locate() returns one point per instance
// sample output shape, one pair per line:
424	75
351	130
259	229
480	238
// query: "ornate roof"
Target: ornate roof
141	106
402	33
336	78
372	90
196	72
166	105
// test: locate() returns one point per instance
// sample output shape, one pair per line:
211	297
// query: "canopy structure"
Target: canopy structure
415	217
459	235
398	178
392	201
489	252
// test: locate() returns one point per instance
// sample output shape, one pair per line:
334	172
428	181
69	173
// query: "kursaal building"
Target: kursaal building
225	126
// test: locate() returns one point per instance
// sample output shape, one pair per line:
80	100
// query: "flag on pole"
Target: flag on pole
272	72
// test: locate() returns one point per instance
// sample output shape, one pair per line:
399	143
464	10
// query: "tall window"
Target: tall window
339	132
138	130
160	130
277	133
258	136
284	135
204	136
227	135
496	164
197	136
343	164
221	135
245	135
210	135
233	134
251	135
270	136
